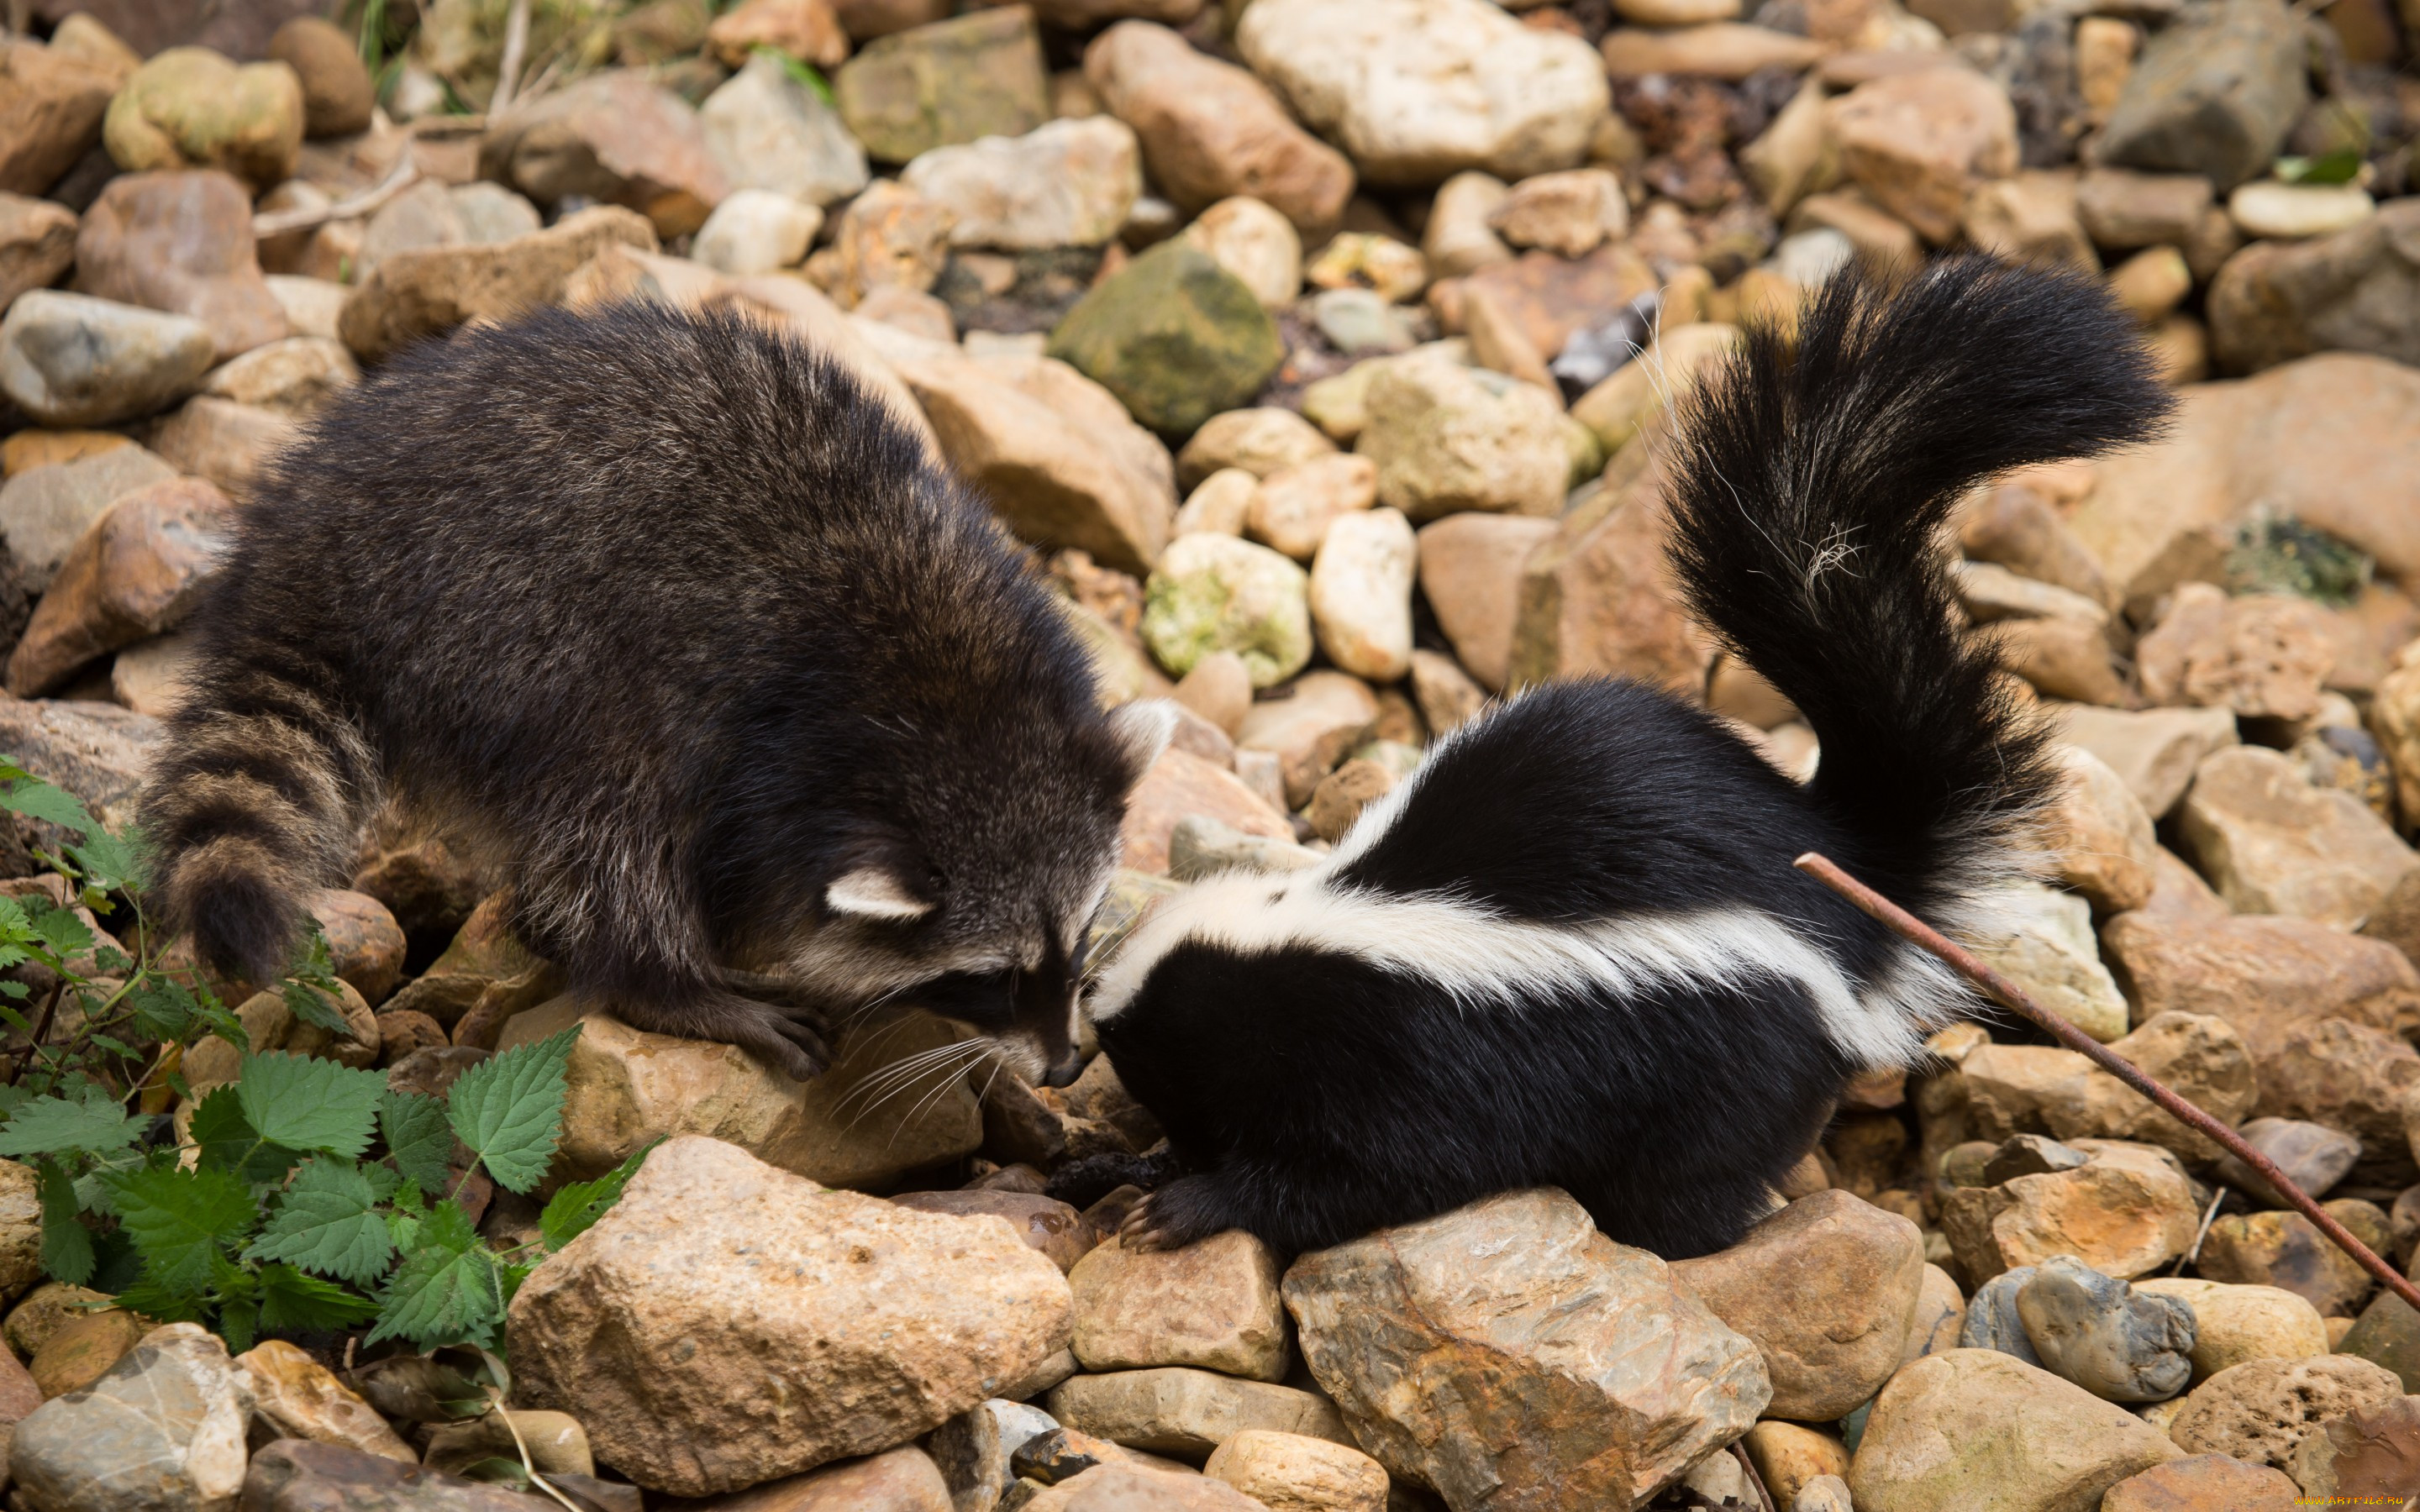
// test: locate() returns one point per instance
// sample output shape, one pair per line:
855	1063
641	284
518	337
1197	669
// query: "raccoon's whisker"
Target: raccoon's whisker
900	1074
942	1071
941	1090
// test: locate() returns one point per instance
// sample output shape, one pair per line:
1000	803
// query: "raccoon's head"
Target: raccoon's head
971	898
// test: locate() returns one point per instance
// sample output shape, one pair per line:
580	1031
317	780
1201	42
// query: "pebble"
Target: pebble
2213	95
1200	847
37	244
1213	1304
2282	1248
2313	1156
1328	714
2262	975
1045	1224
2233	1323
1175	336
1370	261
1296	506
1141	1488
1069	183
1789	1456
51	116
2265	308
1992	1322
2042	939
1919	142
1730	51
1616	408
1361	590
45	1310
296	376
2261	655
808	30
1448	437
2151	284
137	570
1252	239
338	96
2126	1211
556	1443
2369	1452
1219	690
1446	696
1940	1315
1259	441
1597	1374
1187	1414
1290	1472
2386	1334
432	290
974	76
163	1429
74	359
1459	237
2097	1332
1360	322
1337	802
2100	834
1569	213
2203	1483
769	132
83	1347
1950	1422
1213	592
2348	1077
191	107
756	231
2262	1410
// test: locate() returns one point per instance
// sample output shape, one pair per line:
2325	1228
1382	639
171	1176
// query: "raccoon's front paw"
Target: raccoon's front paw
1184	1210
791	1039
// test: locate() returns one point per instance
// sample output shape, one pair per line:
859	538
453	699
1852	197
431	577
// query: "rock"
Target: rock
2293	211
756	231
1182	786
977	75
1919	142
84	1348
1471	567
556	1443
1788	1456
484	968
2387	1333
1448	437
628	1088
2370	1451
298	1398
2286	1250
771	132
1069	183
2213	95
1940	1315
2203	1483
2154	751
420	293
37	244
338	94
1044	1223
1251	240
1549	300
2278	300
1569	213
2042	939
1140	1488
138	570
1448	697
2273	843
1342	795
2015	1089
50	109
1718	49
1054	451
1328	714
296	376
2030	218
2313	1156
312	305
1221	505
2236	1323
1682	357
1200	847
1177	337
1600	597
2261	1411
2099	1333
187	107
972	1450
45	512
2151	284
296	1476
226	442
1187	1414
1825	1289
1289	1472
21	1226
2265	656
2262	975
1219	690
2123	212
164	1429
808	30
1259	441
888	236
1294	506
1460	237
611	137
2124	1214
1359	322
1213	1304
72	360
1507	1352
44	1311
2098	833
1415	90
1361	594
1213	592
850	1323
2345	1076
1210	129
1978	1429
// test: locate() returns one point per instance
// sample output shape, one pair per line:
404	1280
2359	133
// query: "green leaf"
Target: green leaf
147	1296
313	1006
292	1301
446	1291
418	1136
179	1219
164	1009
67	1244
226	1141
572	1210
307	1104
37	800
62	933
509	1109
54	1125
109	865
328	1220
2341	166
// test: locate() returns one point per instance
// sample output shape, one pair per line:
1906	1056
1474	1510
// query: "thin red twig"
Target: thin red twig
1914	930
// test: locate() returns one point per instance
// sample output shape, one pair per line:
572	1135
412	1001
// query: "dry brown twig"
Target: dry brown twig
1916	931
401	177
508	70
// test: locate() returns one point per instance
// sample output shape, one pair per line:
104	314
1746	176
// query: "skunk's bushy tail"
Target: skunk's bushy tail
1813	479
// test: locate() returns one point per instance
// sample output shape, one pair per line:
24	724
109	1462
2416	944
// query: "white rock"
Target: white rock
1361	594
756	231
1415	90
2282	211
1070	183
1458	239
1220	505
1251	241
2042	939
768	132
163	1431
73	359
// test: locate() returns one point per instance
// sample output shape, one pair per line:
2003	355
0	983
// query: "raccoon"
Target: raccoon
757	714
1570	949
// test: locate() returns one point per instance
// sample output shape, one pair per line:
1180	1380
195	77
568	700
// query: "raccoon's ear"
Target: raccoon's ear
874	891
1141	729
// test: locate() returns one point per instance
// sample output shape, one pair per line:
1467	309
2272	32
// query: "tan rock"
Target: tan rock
1547	299
1252	240
1449	437
2155	750
721	1291
1361	590
85	1349
2263	656
1682	357
1187	1414
1447	696
1213	1304
2098	834
1134	1488
2345	1076
613	137
1825	1289
1506	1351
2015	1089
2394	715
1789	1454
1920	142
1220	505
1569	213
1328	714
1471	568
2271	842
50	109
2016	525
1219	690
807	30
189	107
2283	1249
1180	786
1940	1314
2041	939
2124	210
295	376
1720	50
484	972
1342	795
44	1311
2030	218
1260	441
137	571
2233	1323
2262	1410
224	442
2262	975
21	1228
1289	1472
1458	239
2203	1483
2370	1451
627	1088
2062	657
37	244
2124	1212
181	242
1600	597
300	1398
429	290
1296	504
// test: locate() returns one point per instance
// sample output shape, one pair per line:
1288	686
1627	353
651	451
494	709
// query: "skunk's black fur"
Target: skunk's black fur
1572	950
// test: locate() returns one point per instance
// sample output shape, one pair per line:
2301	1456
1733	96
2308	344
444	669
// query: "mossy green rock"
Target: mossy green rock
2388	1335
977	75
188	107
1177	337
1215	592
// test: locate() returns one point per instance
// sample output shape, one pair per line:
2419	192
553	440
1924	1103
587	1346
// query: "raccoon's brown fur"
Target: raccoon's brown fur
756	710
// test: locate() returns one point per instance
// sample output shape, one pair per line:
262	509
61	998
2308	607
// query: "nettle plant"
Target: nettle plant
303	1197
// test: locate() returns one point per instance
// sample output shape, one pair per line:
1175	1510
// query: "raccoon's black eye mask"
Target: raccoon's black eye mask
977	998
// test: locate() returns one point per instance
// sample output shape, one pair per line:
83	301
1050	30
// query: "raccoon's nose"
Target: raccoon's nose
1070	1065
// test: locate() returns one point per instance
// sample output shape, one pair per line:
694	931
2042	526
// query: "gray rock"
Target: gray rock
2358	290
1360	322
97	751
73	359
44	511
973	1450
296	1476
2214	94
1200	846
2030	1155
2313	1157
1992	1318
2118	1344
769	132
163	1431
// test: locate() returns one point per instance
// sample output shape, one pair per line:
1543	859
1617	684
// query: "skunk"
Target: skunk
1571	949
756	712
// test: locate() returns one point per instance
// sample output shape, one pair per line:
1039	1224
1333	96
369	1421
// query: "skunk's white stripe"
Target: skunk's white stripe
1484	959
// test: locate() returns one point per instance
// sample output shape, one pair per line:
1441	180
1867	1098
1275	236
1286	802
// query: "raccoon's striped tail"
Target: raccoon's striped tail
256	800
